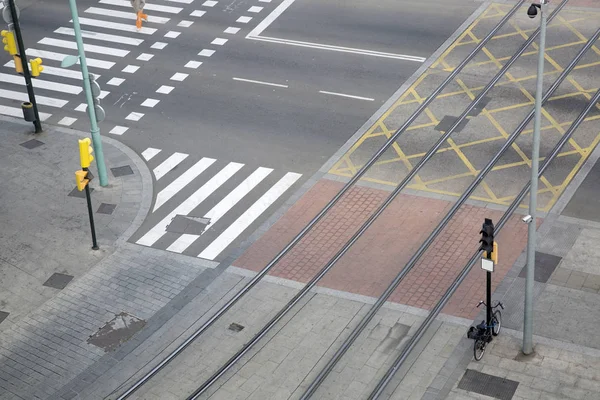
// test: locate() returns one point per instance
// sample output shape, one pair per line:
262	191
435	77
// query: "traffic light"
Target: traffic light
85	152
8	38
36	67
81	179
487	238
18	64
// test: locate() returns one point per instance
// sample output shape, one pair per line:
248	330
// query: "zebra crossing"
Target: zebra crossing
111	39
204	206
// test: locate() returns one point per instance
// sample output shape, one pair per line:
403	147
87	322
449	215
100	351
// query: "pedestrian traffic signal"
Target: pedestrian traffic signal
81	179
8	38
18	64
85	152
487	237
36	67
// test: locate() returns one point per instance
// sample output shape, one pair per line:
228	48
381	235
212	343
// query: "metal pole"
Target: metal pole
531	237
95	131
15	20
88	197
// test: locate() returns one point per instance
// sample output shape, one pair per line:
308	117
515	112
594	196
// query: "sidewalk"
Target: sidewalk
63	305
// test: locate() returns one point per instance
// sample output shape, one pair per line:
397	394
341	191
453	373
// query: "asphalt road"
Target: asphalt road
283	92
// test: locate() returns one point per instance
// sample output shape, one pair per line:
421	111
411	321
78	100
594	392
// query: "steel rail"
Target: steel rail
225	367
425	245
322	213
378	391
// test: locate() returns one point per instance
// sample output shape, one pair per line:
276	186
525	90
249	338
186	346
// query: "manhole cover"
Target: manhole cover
58	281
122	171
488	385
106	208
545	264
32	144
235	327
117	331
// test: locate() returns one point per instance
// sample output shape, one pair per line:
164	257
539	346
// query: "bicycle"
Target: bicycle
483	333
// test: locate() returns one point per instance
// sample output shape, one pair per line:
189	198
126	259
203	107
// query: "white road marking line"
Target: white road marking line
22	96
118	130
341	49
101	36
125	15
190	203
103	94
159	45
166	166
114	25
255	9
197	13
50	55
232	30
209	3
164	89
346	95
172	34
206	53
259	82
66	121
115	81
65	44
181	1
188	176
81	108
150	103
17	112
219	41
179	76
130	69
271	17
243	20
185	23
134	116
185	240
151	7
145	57
193	64
41	84
249	216
264	1
65	73
149	153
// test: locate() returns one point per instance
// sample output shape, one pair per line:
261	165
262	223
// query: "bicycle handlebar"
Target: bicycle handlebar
497	304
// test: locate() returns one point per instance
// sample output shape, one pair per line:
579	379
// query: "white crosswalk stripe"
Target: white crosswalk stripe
17	112
125	15
147	7
227	199
101	36
41	84
51	55
115	25
22	96
66	44
48	70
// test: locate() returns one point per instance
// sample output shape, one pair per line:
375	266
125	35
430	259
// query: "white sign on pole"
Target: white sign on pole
487	265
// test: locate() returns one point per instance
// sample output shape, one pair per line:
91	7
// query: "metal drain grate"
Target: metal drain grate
545	264
488	385
106	208
58	281
32	144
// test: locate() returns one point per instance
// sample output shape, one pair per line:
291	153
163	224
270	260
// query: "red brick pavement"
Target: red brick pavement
386	247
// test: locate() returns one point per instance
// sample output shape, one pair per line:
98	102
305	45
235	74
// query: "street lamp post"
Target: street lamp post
535	154
89	95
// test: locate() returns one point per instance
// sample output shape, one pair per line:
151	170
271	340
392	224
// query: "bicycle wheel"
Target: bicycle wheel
479	349
496	323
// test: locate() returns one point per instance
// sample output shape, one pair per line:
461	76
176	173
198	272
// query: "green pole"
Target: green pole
96	140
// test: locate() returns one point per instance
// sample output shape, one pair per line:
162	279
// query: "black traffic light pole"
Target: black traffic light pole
487	233
15	20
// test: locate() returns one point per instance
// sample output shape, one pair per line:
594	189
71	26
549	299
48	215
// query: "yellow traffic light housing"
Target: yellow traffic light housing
85	152
8	38
36	67
18	64
81	179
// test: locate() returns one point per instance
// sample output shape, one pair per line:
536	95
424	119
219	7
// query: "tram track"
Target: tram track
306	289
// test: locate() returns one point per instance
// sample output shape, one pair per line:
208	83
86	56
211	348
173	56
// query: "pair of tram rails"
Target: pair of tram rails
380	388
